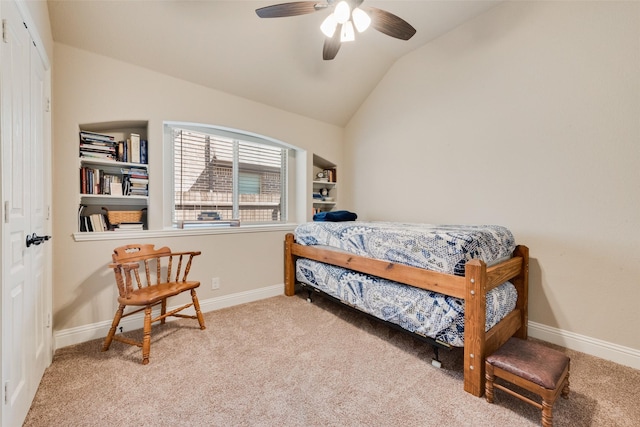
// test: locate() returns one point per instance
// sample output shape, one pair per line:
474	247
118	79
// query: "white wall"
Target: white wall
527	116
89	88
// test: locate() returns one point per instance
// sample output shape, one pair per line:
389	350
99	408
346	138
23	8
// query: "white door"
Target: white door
25	296
36	168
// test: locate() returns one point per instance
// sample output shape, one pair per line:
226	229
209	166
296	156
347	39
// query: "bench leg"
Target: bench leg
566	389
547	417
489	383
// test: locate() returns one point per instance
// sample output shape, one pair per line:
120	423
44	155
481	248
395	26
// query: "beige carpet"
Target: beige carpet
285	362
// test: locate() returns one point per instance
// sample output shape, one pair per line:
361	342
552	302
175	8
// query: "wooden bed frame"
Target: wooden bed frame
473	287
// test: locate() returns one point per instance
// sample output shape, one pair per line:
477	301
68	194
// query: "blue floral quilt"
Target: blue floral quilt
442	248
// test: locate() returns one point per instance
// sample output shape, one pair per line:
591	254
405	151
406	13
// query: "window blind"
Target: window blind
217	177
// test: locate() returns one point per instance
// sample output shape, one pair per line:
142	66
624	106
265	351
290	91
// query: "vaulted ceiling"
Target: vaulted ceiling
278	61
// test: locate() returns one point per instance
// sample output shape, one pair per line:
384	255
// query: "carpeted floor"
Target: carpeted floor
285	362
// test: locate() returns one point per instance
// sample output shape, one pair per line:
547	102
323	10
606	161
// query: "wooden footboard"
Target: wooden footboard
473	287
479	344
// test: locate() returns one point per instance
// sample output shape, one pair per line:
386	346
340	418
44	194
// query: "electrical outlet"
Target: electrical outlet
215	283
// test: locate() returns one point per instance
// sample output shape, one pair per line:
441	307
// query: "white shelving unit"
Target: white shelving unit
93	203
324	184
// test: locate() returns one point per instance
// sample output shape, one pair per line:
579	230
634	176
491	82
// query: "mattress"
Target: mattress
423	312
441	248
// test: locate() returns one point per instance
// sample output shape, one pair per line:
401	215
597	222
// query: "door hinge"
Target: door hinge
4	31
6	212
6	392
47	105
48	325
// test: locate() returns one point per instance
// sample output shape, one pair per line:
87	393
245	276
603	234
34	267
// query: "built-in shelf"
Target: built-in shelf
108	178
324	183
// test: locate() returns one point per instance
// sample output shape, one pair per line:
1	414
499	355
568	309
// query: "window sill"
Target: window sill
172	232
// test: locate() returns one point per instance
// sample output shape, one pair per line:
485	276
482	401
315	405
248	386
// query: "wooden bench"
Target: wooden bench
533	367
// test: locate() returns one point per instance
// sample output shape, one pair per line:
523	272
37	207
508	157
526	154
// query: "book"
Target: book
125	226
93	136
97	222
96	155
81	224
127	150
143	151
120	151
86	224
135	148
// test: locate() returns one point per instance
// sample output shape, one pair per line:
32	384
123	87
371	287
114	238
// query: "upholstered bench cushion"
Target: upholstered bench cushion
532	361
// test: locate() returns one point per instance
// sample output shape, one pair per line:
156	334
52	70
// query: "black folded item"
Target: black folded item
335	216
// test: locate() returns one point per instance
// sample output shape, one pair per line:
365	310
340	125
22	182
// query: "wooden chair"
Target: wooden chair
149	291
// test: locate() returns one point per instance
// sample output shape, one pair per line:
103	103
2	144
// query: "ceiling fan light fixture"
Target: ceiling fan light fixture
360	19
347	34
342	12
328	26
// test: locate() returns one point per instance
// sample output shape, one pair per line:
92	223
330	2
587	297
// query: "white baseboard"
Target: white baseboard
85	333
616	353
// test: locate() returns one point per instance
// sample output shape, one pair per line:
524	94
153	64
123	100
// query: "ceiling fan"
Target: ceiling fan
339	26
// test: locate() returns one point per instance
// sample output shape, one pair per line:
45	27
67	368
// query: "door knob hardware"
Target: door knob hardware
34	239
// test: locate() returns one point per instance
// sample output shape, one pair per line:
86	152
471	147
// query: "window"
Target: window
219	175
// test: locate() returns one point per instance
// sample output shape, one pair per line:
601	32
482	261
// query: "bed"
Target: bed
467	285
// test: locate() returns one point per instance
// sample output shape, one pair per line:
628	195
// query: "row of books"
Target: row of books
97	222
133	150
99	146
135	182
97	181
94	222
131	182
330	174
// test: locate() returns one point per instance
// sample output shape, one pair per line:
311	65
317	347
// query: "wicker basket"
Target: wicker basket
117	217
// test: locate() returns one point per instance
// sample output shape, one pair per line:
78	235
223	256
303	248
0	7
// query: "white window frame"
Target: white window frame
168	193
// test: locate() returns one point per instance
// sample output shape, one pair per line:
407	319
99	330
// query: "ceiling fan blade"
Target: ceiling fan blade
287	9
390	24
332	45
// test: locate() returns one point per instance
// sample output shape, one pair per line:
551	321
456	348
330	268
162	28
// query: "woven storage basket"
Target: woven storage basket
117	217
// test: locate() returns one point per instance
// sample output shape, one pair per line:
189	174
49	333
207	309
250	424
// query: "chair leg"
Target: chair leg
114	326
196	306
163	311
146	337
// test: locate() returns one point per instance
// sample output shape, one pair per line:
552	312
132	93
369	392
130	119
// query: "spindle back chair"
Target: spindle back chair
164	275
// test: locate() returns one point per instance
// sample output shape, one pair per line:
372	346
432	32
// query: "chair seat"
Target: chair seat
153	294
534	362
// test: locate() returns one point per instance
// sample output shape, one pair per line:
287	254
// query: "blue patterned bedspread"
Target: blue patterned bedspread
442	248
439	248
417	310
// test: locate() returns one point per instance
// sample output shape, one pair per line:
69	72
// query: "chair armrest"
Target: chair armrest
125	265
194	253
